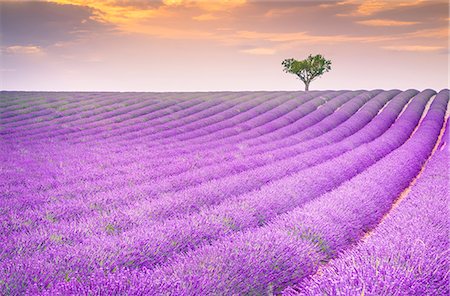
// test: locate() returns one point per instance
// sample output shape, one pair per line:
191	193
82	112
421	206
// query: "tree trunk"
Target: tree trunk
306	86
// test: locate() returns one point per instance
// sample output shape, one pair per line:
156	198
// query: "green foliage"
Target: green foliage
308	69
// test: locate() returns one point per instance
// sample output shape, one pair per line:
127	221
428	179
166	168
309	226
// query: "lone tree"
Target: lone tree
309	69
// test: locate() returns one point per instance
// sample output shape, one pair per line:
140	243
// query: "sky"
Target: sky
190	45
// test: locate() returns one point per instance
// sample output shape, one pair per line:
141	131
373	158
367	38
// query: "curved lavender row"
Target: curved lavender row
19	98
106	109
407	252
178	176
312	105
130	118
222	130
226	139
211	107
166	168
124	159
208	193
168	238
308	106
225	116
272	125
142	117
254	208
22	105
262	145
279	163
295	244
103	172
63	119
52	104
151	107
27	117
84	121
204	150
70	191
12	100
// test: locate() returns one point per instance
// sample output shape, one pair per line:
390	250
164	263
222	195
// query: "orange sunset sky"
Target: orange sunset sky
189	45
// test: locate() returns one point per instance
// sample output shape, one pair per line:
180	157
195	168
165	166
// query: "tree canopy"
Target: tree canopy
308	69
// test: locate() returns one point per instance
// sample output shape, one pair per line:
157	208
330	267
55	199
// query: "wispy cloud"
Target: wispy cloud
435	33
207	5
414	48
27	50
205	17
260	51
307	38
122	12
370	7
277	12
386	23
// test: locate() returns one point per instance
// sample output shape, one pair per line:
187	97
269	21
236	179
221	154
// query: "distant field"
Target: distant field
224	193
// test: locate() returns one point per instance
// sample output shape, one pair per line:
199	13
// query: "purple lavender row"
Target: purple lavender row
326	109
112	164
46	111
128	114
219	141
23	103
17	99
145	116
172	168
302	109
159	242
219	126
28	114
59	145
20	99
255	118
141	120
407	253
12	100
226	177
110	115
82	110
292	246
40	180
70	191
274	166
178	176
229	110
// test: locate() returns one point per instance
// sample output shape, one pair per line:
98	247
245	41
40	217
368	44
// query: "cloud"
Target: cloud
123	12
415	48
19	49
205	17
371	7
435	33
260	51
254	27
386	23
118	12
277	12
44	24
306	37
207	5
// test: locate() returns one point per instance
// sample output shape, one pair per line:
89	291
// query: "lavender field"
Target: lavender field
225	193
